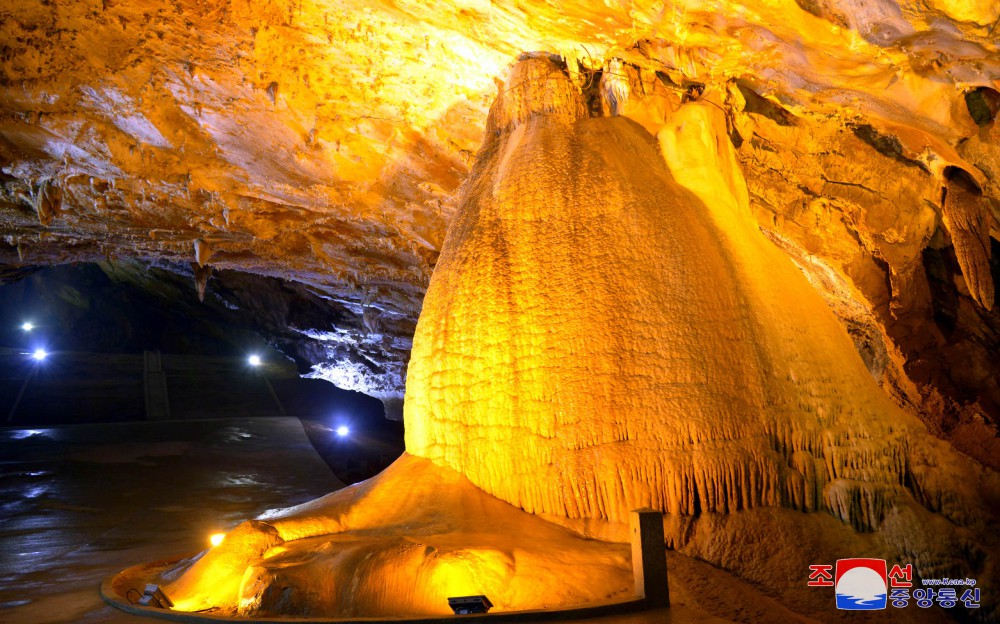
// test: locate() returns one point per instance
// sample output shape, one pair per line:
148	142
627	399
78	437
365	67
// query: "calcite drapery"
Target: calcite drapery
325	144
596	338
602	334
607	329
967	218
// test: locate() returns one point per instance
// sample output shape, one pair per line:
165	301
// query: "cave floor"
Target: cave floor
80	503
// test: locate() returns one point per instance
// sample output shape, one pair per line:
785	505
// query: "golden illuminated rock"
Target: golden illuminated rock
596	338
326	144
608	329
399	544
966	217
609	324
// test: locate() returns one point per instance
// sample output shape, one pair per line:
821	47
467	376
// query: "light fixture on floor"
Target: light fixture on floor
153	596
465	605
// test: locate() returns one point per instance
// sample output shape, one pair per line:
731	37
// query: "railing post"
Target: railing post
649	557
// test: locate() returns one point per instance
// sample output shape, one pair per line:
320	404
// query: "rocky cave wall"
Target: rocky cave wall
326	145
125	306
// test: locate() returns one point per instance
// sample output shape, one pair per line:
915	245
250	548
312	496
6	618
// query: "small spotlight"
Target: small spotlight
153	596
254	360
343	430
216	538
27	326
40	354
466	605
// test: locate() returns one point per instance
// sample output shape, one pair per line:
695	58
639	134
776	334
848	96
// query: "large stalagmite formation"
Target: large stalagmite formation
325	144
607	329
596	338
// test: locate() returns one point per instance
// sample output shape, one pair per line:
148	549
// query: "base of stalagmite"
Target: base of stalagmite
399	544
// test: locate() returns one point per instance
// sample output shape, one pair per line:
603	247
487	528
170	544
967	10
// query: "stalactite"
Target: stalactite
47	201
201	277
203	251
966	215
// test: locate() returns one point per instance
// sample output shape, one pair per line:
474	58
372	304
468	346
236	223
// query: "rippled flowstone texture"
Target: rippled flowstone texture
326	145
608	329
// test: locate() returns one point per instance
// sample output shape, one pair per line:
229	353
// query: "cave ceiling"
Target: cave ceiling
325	143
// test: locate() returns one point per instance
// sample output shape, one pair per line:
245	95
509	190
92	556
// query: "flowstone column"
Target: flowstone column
606	329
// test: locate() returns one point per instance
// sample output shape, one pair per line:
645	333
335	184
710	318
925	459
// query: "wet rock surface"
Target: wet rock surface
82	503
326	147
575	393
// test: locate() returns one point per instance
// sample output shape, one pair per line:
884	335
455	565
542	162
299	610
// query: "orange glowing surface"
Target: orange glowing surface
606	329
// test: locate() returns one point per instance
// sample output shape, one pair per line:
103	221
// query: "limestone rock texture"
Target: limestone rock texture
630	278
608	329
398	544
326	145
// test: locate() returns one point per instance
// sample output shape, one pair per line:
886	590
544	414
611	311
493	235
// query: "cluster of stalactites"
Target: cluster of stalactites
851	475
